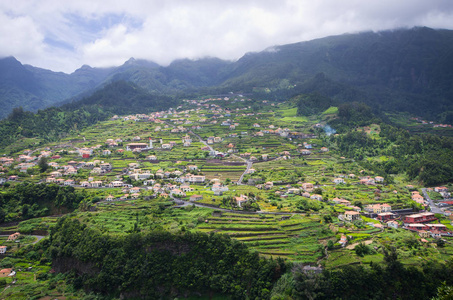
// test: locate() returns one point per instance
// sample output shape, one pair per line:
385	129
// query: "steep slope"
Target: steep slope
407	69
55	122
35	88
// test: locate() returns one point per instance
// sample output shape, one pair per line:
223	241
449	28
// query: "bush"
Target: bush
361	249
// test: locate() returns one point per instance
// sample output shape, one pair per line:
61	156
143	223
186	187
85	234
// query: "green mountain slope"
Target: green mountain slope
401	70
409	70
34	88
55	122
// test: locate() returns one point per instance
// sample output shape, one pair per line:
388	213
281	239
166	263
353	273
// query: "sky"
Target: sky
63	35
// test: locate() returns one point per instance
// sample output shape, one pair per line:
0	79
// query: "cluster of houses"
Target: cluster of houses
11	238
424	122
442	190
166	190
419	222
365	180
415	196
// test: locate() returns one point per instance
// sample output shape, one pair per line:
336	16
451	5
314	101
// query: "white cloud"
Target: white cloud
63	35
19	36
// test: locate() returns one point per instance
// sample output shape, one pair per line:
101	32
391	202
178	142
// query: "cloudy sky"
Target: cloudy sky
63	35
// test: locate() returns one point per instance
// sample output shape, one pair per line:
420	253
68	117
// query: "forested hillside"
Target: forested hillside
52	123
160	264
29	200
401	70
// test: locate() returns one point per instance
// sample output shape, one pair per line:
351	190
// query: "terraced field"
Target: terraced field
298	238
220	171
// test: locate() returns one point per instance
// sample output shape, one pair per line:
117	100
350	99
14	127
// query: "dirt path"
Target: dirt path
352	246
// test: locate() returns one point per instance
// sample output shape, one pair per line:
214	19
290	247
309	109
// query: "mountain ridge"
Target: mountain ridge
411	69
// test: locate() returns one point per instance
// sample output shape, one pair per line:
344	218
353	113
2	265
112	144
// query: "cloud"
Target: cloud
19	35
63	35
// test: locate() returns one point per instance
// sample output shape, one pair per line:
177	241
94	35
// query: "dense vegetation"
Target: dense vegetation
121	97
29	200
160	264
35	88
53	123
389	281
425	157
311	104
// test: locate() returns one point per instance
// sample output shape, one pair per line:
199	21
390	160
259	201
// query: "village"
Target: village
268	164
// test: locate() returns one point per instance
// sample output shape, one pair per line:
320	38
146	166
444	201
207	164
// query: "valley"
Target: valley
279	183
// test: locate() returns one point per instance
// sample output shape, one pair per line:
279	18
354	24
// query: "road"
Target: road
433	207
249	163
202	141
249	166
38	237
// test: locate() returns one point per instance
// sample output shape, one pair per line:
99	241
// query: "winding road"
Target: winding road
433	207
247	169
249	163
38	237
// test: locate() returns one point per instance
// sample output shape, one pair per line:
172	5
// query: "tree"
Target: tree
440	243
42	164
317	191
330	245
361	249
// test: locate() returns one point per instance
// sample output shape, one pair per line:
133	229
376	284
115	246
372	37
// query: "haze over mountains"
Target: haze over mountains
405	70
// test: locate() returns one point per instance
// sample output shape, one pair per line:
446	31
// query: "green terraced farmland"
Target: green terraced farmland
297	239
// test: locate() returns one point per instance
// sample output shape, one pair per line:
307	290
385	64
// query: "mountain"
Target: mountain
400	70
123	97
35	88
55	122
409	70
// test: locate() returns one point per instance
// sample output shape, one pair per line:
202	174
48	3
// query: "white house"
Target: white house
197	178
338	181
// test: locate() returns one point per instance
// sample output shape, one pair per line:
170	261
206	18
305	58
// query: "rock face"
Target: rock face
66	264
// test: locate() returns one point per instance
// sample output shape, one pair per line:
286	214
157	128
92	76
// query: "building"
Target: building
241	199
420	218
393	224
294	191
341	201
316	197
5	272
424	234
386	216
2	249
338	181
440	189
13	237
134	146
351	215
196	197
437	227
378	208
307	186
379	179
197	179
343	241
